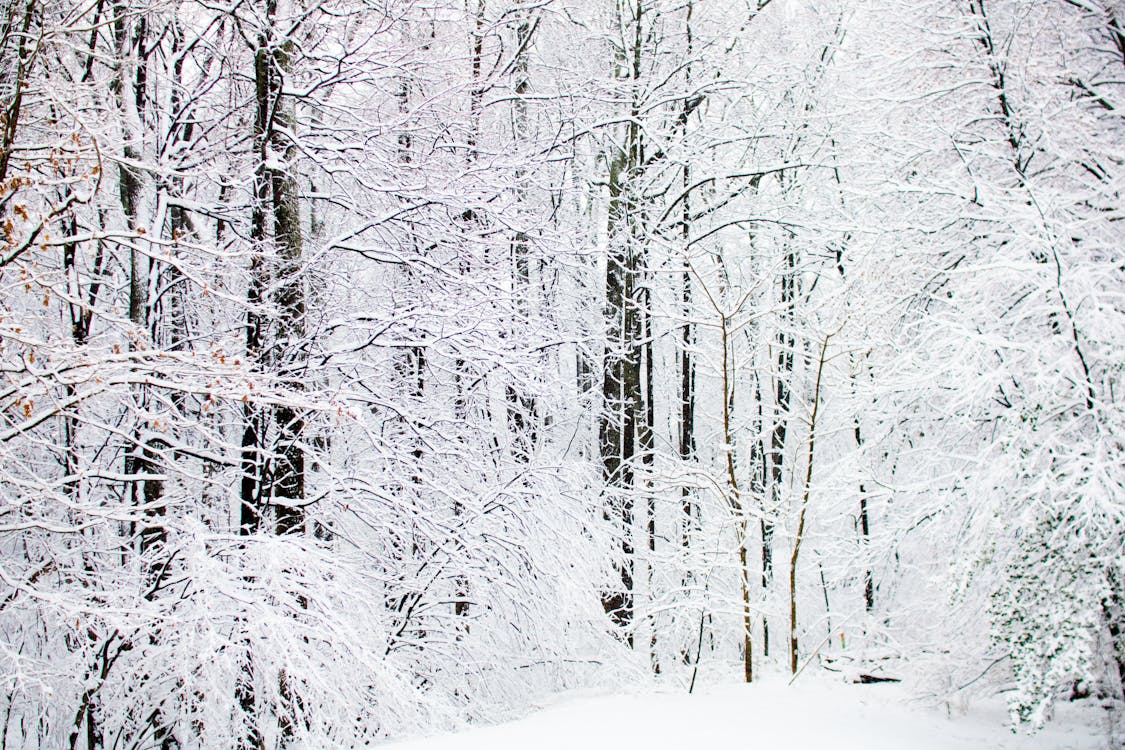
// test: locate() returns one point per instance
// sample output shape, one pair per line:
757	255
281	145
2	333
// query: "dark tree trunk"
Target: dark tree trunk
273	459
523	408
865	534
620	386
9	121
623	421
646	446
783	378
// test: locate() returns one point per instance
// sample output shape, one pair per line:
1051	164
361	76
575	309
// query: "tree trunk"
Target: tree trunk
622	418
273	460
523	408
735	500
865	534
783	378
800	535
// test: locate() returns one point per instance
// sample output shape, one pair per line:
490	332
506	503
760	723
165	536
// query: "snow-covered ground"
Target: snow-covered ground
812	714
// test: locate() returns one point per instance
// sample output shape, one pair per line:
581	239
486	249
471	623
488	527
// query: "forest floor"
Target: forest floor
814	713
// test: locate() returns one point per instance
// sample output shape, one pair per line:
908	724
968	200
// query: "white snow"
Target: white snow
813	714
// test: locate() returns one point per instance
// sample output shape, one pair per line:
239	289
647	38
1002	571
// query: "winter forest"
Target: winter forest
373	367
